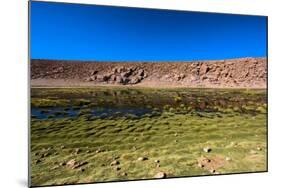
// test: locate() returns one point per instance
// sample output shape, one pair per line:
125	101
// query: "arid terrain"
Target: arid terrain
182	119
232	73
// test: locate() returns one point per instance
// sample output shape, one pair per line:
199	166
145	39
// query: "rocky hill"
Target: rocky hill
237	73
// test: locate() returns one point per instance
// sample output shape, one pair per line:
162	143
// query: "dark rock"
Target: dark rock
93	72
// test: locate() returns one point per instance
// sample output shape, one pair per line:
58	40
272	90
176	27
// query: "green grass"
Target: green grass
174	137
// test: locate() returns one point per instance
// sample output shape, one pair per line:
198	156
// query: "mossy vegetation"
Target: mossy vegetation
172	137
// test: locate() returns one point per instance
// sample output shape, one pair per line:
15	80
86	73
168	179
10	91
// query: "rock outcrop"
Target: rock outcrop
244	72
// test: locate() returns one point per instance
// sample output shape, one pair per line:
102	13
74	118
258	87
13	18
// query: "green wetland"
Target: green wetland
87	135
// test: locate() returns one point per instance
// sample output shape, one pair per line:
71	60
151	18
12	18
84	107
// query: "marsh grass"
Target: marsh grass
174	135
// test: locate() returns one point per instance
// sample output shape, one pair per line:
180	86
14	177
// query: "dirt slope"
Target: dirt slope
237	73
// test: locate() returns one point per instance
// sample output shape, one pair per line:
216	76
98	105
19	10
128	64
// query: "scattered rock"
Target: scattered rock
93	72
115	162
124	174
211	164
73	164
117	168
228	159
251	72
207	149
160	175
142	158
157	161
259	149
212	171
62	164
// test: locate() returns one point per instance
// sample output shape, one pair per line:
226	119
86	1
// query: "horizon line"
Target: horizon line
261	57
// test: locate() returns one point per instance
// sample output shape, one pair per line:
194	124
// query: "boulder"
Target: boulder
135	80
140	72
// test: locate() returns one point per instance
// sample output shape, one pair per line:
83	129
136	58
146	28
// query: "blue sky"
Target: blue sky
90	32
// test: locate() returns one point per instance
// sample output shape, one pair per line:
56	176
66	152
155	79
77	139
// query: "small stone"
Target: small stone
124	174
228	159
157	161
62	147
62	164
71	163
98	151
158	165
259	149
212	171
200	165
160	175
88	151
207	149
142	158
117	168
115	162
176	141
176	134
233	143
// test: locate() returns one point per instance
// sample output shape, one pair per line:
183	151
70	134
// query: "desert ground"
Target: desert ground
99	122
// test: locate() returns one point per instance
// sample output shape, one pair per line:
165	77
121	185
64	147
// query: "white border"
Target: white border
13	76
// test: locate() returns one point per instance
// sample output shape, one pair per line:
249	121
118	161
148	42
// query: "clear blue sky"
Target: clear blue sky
90	32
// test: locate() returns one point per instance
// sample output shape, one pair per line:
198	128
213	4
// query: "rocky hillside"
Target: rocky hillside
244	72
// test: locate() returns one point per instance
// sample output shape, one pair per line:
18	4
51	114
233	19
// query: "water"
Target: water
100	112
136	103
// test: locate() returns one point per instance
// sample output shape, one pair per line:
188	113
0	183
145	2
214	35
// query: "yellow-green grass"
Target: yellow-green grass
174	137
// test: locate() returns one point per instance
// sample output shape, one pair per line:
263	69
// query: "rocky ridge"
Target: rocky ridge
240	73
